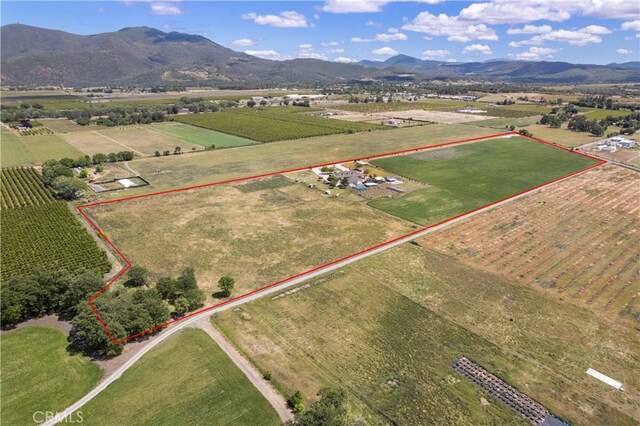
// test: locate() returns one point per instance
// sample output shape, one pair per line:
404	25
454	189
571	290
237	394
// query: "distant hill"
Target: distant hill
147	56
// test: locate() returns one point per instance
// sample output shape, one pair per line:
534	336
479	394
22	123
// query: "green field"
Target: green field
599	114
434	104
186	380
39	374
503	123
200	136
387	328
38	231
212	165
468	176
12	151
273	123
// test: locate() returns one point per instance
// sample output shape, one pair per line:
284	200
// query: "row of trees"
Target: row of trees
59	177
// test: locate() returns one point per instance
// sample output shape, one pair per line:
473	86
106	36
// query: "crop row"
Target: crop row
273	124
47	236
21	187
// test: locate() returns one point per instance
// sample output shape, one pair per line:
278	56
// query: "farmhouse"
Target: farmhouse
617	141
352	177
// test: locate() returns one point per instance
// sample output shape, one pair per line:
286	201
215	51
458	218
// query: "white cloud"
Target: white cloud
286	19
381	37
372	24
165	8
631	25
536	53
522	11
312	55
530	29
363	6
482	48
330	44
344	60
339	50
450	26
580	37
384	51
623	51
393	30
245	42
265	54
316	16
306	46
430	54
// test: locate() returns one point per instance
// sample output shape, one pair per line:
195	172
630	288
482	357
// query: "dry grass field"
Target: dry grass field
62	125
210	166
387	328
578	238
258	232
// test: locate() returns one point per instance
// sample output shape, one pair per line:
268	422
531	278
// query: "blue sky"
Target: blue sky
579	31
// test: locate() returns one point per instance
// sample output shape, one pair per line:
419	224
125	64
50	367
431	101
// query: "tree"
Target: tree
84	174
166	152
68	188
226	284
295	402
52	169
137	276
98	158
263	103
251	103
597	129
157	154
177	150
181	306
330	409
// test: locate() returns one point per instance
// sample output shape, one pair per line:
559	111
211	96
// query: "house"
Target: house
627	143
392	122
391	179
361	163
352	177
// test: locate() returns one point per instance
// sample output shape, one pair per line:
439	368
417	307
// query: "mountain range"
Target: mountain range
35	56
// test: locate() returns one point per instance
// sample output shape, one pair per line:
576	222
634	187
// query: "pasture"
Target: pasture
258	231
577	239
185	380
273	123
387	328
12	151
62	125
199	136
564	136
212	165
39	374
38	231
140	139
599	114
465	177
503	123
25	150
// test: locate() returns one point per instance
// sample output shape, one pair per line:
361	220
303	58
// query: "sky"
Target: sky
578	31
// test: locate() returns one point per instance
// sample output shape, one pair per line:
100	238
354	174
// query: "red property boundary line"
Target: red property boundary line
128	264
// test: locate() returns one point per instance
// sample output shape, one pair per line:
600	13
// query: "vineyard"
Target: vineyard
577	238
38	231
273	124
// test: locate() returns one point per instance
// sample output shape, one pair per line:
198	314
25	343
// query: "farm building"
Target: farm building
352	177
618	141
392	122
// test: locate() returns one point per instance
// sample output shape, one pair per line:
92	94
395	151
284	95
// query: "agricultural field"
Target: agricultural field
503	123
431	104
564	136
213	165
38	231
198	385
387	328
53	101
259	231
12	151
199	136
578	239
36	149
599	114
37	357
62	125
273	123
465	177
140	139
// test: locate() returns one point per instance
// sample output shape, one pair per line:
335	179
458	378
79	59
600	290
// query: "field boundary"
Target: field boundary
128	264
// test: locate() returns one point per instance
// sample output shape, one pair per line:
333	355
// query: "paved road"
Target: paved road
277	401
169	331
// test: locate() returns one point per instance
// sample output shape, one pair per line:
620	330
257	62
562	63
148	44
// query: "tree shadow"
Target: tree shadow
220	295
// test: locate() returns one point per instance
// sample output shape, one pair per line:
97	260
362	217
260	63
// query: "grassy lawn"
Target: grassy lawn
12	151
273	123
186	380
200	136
38	374
257	231
387	328
465	177
47	147
212	165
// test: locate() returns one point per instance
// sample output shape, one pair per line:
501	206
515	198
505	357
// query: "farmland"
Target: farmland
38	231
24	150
433	104
272	124
212	165
13	152
563	136
468	176
577	239
199	385
62	125
37	358
200	136
216	230
388	327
